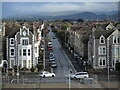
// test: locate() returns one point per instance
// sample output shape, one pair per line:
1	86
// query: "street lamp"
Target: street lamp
70	71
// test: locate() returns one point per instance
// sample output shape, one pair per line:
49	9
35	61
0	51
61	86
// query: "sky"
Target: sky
26	8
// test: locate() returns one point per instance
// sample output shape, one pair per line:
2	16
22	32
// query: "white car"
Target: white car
47	74
80	75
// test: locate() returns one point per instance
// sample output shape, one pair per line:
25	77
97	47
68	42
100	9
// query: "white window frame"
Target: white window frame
114	52
12	52
117	38
11	41
101	39
101	58
99	52
23	52
24	39
24	63
29	52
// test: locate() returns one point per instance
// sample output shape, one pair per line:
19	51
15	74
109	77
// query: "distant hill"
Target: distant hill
83	15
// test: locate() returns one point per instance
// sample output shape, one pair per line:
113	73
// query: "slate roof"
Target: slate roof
11	31
105	33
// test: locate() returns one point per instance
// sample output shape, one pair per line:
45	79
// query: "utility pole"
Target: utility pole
17	70
70	71
65	38
44	50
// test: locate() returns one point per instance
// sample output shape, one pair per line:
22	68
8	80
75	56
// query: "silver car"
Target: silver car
79	75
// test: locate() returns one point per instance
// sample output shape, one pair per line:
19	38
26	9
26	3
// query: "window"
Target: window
115	51
29	63
102	40
35	49
20	62
12	63
114	60
25	42
24	52
102	50
102	61
24	63
11	41
116	39
28	52
20	52
12	52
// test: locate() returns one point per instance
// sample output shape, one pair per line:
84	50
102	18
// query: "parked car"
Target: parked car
52	59
51	55
53	37
47	74
50	48
53	64
42	47
49	44
79	75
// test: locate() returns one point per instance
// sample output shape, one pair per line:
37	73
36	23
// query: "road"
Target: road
63	63
62	70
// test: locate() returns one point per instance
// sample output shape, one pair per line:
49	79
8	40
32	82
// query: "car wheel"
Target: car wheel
44	76
74	77
53	76
85	77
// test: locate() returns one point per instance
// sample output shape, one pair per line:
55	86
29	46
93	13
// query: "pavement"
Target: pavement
72	59
111	84
46	85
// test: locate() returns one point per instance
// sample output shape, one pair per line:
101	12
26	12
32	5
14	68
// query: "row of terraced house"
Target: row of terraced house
96	43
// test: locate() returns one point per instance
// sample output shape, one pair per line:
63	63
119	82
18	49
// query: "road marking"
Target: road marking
69	61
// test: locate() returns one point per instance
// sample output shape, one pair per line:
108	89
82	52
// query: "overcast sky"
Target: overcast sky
17	8
60	0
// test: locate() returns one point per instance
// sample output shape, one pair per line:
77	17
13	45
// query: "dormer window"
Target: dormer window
102	40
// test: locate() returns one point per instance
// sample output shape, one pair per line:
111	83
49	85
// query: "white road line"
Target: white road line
68	59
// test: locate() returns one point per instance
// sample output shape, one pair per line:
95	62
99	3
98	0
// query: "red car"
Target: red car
50	48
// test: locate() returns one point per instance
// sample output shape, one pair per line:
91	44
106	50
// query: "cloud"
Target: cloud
55	7
60	0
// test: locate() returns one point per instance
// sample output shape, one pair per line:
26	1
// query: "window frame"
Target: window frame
12	53
117	39
25	41
29	52
24	52
12	40
101	39
101	52
102	59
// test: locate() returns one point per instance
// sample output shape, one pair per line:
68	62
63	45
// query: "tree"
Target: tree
64	26
80	20
40	67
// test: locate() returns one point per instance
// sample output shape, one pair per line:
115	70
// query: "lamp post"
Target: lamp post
70	71
108	75
44	52
18	74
